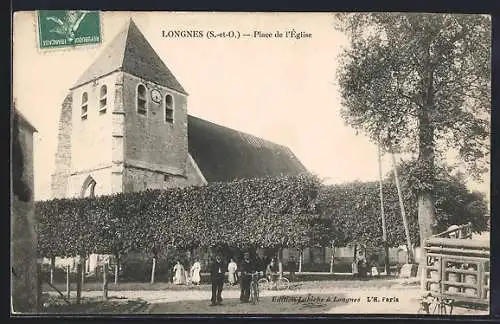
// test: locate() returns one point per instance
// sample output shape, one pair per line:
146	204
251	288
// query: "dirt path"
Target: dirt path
167	296
394	300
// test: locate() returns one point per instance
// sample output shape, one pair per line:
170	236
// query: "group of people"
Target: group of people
241	274
217	276
181	276
361	268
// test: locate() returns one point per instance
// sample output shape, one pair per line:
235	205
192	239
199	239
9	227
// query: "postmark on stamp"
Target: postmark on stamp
67	28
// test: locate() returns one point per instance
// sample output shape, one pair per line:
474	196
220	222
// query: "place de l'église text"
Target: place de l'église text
236	34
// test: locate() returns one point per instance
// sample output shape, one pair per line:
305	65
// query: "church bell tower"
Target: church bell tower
123	125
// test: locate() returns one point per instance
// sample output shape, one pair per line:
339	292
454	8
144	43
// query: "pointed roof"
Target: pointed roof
130	52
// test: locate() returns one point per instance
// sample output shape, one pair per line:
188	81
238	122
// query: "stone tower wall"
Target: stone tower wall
59	184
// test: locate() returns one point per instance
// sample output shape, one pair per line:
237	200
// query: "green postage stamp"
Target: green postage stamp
67	28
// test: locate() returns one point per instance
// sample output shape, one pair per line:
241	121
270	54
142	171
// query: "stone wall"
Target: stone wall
92	137
23	237
118	136
151	142
59	183
138	179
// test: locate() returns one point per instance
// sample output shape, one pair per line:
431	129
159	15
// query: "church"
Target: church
124	127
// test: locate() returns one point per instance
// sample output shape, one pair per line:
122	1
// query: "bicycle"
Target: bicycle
280	283
254	288
437	304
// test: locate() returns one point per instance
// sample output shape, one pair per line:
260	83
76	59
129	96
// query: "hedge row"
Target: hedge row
271	212
258	212
354	209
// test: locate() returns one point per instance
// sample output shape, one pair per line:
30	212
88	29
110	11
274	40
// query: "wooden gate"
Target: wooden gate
457	269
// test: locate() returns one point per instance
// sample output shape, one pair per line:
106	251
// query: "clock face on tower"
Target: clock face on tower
156	95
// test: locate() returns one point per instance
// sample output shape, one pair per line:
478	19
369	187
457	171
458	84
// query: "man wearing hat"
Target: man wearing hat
247	268
217	277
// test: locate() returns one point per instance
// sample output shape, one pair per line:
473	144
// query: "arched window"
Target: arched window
141	99
103	99
88	187
169	109
84	105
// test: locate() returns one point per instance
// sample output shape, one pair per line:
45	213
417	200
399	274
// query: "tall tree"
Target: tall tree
420	84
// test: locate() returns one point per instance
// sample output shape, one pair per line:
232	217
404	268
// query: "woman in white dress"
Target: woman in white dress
180	276
195	272
232	267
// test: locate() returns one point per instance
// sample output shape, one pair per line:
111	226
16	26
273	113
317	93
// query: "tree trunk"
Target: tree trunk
300	260
78	282
52	267
153	269
191	257
426	212
117	266
68	287
116	273
426	216
387	267
280	263
332	261
105	281
83	270
355	269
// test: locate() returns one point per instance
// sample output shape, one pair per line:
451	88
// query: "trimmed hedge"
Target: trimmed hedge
276	212
268	212
354	210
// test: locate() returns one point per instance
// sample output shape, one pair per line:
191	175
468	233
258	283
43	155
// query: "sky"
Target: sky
280	89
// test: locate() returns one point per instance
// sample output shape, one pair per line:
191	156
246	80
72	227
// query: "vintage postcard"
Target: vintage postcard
250	163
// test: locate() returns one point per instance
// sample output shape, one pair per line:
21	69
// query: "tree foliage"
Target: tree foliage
385	85
355	214
420	83
455	203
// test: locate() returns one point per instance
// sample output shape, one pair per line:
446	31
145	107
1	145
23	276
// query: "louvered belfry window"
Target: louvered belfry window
84	106
141	100
103	99
169	109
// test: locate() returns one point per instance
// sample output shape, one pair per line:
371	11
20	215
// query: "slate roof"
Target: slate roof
224	154
132	53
